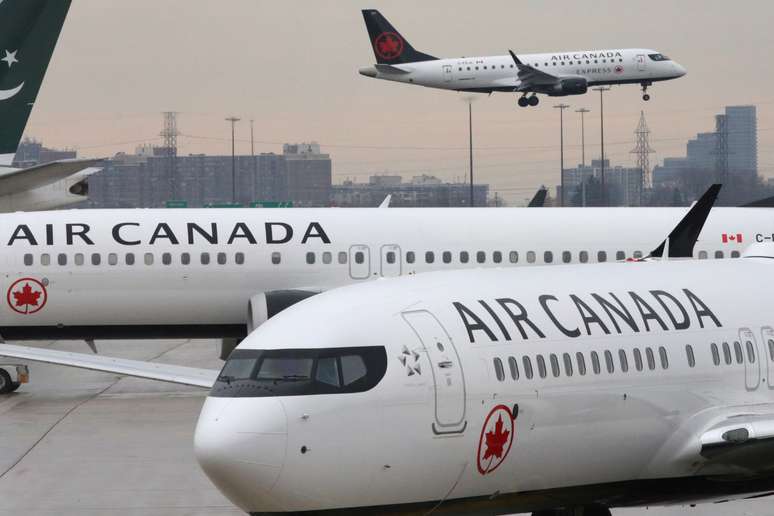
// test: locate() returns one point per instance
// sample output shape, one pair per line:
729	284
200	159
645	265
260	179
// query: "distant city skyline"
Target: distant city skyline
293	68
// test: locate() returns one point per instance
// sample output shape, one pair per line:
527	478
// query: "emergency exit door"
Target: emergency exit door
752	363
446	368
391	260
359	262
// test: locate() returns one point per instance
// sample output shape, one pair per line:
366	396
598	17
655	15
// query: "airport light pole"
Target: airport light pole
233	121
561	108
583	112
470	141
602	90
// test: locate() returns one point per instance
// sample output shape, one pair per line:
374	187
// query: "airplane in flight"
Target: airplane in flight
569	390
29	30
555	74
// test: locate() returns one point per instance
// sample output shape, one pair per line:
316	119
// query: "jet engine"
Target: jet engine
570	86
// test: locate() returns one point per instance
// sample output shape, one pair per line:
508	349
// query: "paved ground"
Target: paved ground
78	443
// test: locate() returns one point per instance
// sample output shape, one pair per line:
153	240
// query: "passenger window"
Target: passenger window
566	256
554	365
567	364
185	258
609	362
548	257
410	257
690	355
651	358
359	257
734	254
342	257
620	255
595	366
581	363
205	258
112	259
601	256
166	258
239	258
45	259
718	255
531	257
148	258
481	257
96	259
541	362
638	254
624	361
79	259
702	255
129	258
750	352
738	352
527	367
583	257
446	256
464	257
28	259
276	257
662	354
513	257
327	257
310	258
514	367
61	259
498	365
726	353
429	257
637	359
497	257
715	354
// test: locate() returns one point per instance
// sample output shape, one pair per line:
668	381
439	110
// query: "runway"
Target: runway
76	442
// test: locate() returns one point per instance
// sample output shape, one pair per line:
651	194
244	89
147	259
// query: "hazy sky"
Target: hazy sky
292	66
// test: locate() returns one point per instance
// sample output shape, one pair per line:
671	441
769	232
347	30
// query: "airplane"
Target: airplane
555	74
558	391
190	273
29	30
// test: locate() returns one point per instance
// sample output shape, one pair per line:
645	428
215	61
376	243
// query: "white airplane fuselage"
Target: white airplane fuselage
196	273
637	372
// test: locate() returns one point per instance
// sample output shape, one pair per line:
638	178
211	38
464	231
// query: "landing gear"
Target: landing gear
7	385
534	100
525	101
645	95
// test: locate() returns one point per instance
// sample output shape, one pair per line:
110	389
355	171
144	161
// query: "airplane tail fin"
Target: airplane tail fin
29	30
390	47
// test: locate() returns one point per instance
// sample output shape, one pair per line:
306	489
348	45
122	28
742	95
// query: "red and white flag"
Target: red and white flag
732	237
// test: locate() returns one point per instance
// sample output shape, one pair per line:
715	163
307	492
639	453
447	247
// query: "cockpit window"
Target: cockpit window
252	373
658	57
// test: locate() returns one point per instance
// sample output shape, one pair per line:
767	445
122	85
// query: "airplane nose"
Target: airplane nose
680	70
240	444
368	71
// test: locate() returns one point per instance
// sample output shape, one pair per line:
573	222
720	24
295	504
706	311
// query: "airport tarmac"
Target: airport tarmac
76	442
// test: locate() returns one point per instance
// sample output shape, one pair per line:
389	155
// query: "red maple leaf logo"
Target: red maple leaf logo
496	440
389	45
27	297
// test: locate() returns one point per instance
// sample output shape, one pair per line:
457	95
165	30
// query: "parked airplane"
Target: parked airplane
29	30
555	74
557	390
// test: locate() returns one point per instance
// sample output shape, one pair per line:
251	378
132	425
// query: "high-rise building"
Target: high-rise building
309	174
742	137
583	184
421	191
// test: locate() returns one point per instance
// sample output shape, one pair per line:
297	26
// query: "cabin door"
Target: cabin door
447	73
752	363
641	62
446	368
359	262
767	345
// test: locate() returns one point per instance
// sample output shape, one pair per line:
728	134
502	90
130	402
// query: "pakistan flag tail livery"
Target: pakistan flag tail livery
29	30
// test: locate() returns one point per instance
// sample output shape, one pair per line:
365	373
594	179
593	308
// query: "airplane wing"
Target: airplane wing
139	369
19	180
742	443
530	76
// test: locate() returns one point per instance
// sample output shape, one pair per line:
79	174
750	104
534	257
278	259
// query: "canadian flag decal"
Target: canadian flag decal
732	237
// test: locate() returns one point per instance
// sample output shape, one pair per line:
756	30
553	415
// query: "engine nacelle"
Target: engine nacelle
266	305
570	86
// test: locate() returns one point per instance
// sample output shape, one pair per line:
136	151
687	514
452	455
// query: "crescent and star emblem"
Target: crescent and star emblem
11	59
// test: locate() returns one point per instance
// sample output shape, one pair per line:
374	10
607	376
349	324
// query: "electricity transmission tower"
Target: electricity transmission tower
643	150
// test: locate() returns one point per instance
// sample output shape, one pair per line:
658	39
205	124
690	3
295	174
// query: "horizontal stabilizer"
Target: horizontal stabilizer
767	202
683	237
139	369
390	70
20	180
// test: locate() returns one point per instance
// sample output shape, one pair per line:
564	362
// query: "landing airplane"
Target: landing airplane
102	274
29	30
556	390
555	74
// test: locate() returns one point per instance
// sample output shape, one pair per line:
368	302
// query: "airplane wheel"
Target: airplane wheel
6	382
534	100
646	97
523	102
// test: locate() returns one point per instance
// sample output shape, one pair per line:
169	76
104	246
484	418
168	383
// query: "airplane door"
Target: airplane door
447	372
391	260
767	343
641	63
447	73
752	363
359	262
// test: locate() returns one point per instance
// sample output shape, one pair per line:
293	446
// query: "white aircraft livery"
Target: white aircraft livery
555	74
568	390
200	273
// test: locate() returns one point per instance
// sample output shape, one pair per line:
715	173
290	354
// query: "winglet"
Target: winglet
386	202
515	59
539	199
683	237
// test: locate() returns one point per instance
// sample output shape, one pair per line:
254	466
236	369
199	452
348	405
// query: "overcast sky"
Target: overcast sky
292	66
